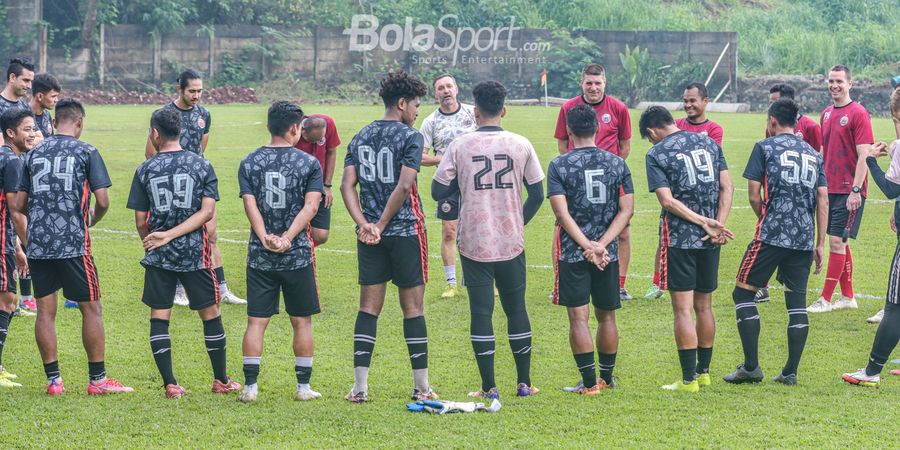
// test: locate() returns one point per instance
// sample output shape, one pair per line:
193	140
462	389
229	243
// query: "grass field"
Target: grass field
821	412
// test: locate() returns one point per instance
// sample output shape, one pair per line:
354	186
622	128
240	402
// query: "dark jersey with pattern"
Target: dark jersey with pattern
279	178
378	152
195	124
5	104
59	176
592	180
171	187
44	122
688	164
10	166
790	171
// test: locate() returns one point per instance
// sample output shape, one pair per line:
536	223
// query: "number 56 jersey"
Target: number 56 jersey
170	187
689	165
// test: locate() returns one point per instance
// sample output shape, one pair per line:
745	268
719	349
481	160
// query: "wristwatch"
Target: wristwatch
855	189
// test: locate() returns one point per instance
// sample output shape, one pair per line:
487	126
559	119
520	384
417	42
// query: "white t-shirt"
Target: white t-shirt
439	128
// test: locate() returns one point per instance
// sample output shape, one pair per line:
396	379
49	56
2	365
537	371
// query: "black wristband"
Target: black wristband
326	185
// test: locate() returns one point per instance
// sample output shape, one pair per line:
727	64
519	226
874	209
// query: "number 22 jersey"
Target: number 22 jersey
171	187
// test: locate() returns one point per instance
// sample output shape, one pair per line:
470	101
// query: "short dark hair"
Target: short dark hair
44	83
443	75
187	75
314	122
12	118
700	87
489	96
283	114
17	65
654	117
842	68
69	110
167	122
785	111
783	90
399	84
582	120
593	69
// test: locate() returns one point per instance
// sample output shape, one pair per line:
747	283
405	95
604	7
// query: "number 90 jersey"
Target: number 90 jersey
59	176
171	186
689	165
279	178
378	152
790	171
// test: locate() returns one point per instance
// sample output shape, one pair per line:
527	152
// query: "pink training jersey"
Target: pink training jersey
707	127
612	115
843	128
490	165
808	130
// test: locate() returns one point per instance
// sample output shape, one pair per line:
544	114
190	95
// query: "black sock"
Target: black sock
416	335
4	330
214	333
251	369
519	329
748	325
607	364
797	330
886	339
303	369
364	334
220	274
481	306
704	356
97	370
161	346
25	286
688	359
51	369
585	364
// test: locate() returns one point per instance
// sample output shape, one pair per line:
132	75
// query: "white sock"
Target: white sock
450	273
251	388
223	288
361	379
303	387
420	379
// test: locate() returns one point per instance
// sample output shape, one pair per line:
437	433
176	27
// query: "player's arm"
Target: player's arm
19	219
754	192
534	200
428	160
713	228
310	206
624	148
203	141
859	176
440	191
351	201
22	208
141	224
195	221
401	192
890	189
328	172
251	209
560	206
101	205
821	226
626	211
149	151
562	145
726	196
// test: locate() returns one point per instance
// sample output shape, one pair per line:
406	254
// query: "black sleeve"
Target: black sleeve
211	187
554	180
244	179
890	189
412	153
441	191
627	182
656	175
138	199
533	203
314	180
11	175
98	177
756	165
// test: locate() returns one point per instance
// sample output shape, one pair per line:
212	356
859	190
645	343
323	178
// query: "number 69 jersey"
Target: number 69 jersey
59	176
790	171
279	178
689	165
378	152
171	186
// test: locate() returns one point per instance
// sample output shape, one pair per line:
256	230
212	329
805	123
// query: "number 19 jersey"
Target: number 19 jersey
170	187
378	152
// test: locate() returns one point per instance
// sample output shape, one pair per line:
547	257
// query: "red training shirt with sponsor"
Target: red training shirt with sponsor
317	149
707	127
808	130
612	115
843	128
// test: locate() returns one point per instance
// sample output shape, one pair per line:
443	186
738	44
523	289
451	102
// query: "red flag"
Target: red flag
543	77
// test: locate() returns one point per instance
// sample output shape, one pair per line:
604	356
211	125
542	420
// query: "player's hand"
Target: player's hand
284	244
21	263
854	200
90	218
716	232
369	234
156	240
878	149
329	197
277	244
818	257
893	224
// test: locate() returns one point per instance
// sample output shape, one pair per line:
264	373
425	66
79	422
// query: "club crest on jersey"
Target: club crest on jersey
606	118
446	207
799	134
201	123
844	120
704	132
467	123
321	141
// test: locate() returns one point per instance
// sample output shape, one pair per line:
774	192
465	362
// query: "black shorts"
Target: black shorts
201	287
893	292
322	219
77	277
838	215
582	281
689	269
761	260
8	274
299	286
448	208
401	259
509	275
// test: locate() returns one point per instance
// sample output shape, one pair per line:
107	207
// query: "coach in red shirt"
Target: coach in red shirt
846	139
319	137
806	128
696	98
613	136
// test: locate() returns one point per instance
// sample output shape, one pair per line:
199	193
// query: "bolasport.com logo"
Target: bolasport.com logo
366	34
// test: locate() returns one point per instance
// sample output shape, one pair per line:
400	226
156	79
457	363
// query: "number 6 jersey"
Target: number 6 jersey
689	165
59	176
171	186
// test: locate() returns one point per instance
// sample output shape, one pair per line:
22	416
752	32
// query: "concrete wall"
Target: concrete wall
21	19
812	94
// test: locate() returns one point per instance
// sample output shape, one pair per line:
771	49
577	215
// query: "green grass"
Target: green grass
821	412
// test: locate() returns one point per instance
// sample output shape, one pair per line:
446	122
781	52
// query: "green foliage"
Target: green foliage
566	56
235	72
637	66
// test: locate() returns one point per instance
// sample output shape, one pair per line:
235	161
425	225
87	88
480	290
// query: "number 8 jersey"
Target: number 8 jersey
689	165
171	186
790	171
59	176
378	152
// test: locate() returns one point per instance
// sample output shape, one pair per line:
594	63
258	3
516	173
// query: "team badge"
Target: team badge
446	207
705	133
844	120
321	141
826	117
606	118
467	123
201	123
799	134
